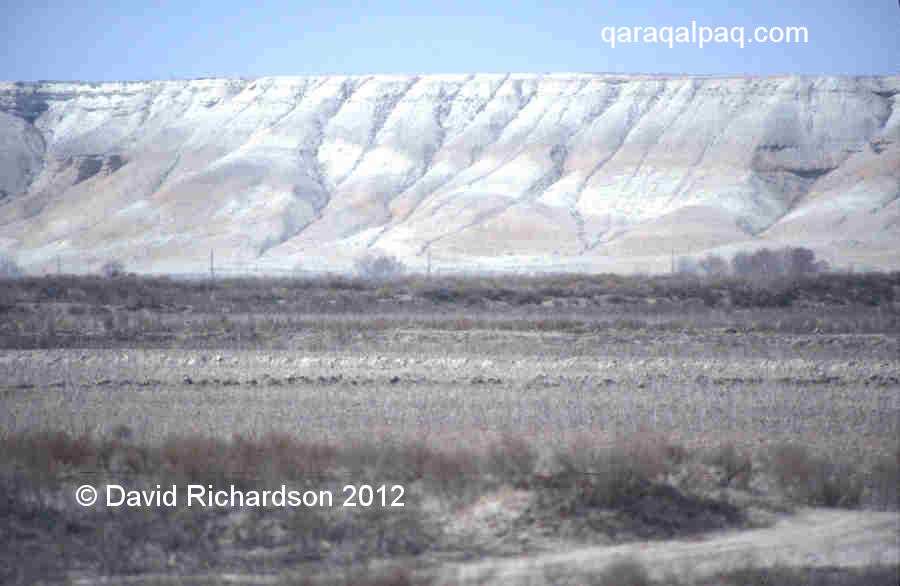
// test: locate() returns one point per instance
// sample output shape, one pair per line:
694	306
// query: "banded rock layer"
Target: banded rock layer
553	172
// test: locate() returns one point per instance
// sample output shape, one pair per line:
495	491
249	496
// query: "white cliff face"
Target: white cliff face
566	171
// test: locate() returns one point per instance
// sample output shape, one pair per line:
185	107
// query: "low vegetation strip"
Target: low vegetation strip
634	489
90	311
515	414
337	294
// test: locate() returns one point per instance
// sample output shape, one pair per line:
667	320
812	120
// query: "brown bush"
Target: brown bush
610	476
814	480
511	459
736	465
446	472
246	462
886	480
51	452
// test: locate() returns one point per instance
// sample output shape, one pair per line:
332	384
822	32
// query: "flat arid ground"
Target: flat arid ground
574	430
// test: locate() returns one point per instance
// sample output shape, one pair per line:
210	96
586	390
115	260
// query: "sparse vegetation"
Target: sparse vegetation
623	572
761	266
736	465
886	479
627	480
376	264
876	575
391	576
595	409
610	476
713	265
687	266
70	311
113	268
631	572
571	292
9	268
815	480
764	264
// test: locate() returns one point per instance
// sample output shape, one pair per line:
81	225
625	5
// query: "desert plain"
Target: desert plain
548	430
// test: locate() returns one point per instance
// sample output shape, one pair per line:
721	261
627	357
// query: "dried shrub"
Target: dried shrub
391	576
379	265
736	465
196	459
814	480
9	268
621	572
113	268
446	472
52	452
511	459
789	261
886	480
245	461
876	575
613	475
714	265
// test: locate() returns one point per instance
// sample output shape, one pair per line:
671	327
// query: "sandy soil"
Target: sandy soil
810	538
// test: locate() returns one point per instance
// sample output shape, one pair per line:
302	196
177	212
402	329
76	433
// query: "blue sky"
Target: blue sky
127	40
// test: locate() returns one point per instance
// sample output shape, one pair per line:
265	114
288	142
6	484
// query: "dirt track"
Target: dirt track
813	537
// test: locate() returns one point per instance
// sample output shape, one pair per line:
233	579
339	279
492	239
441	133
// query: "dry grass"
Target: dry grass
633	573
629	475
511	460
886	480
587	481
193	458
445	472
72	311
45	326
622	573
245	461
736	464
600	475
813	479
630	572
368	577
612	475
785	576
52	452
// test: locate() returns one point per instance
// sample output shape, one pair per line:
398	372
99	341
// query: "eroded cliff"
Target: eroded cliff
564	171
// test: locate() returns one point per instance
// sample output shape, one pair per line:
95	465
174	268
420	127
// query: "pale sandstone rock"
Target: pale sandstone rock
527	171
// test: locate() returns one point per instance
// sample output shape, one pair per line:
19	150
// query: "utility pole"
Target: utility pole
212	270
58	265
672	268
429	264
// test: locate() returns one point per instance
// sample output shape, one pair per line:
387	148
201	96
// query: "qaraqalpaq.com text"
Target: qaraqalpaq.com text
702	35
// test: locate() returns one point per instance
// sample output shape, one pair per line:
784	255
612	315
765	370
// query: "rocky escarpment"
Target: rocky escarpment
555	172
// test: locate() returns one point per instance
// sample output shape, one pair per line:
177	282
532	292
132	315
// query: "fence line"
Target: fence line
225	272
